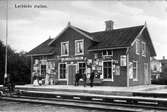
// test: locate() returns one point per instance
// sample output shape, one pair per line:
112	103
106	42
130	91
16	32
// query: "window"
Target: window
137	47
82	68
123	60
79	47
107	53
143	49
62	71
135	68
64	48
43	70
107	70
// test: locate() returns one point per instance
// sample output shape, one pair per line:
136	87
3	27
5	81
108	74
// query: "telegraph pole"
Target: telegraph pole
6	50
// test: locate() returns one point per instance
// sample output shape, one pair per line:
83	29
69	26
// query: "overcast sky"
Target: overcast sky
28	27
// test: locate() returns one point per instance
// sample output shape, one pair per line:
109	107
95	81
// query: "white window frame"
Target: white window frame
78	66
107	53
125	60
143	49
59	72
104	79
67	49
137	46
136	79
81	40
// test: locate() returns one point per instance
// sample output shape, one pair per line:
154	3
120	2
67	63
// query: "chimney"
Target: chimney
109	25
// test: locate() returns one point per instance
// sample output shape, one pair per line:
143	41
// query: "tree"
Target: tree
18	65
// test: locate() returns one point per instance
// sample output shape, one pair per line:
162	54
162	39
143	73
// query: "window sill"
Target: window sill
108	80
135	80
64	55
62	79
79	54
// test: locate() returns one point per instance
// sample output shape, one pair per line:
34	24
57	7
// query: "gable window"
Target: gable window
143	49
107	53
137	47
107	70
82	67
62	71
123	60
79	47
65	48
135	70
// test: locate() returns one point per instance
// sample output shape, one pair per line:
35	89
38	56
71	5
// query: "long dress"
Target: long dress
35	83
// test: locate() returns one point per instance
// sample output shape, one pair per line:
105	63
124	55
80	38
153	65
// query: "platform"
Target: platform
103	90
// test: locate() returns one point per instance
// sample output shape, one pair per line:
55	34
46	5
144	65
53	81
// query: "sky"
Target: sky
29	27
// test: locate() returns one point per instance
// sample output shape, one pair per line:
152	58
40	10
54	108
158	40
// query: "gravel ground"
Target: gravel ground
8	106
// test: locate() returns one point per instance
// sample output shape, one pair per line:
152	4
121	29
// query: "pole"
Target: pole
6	50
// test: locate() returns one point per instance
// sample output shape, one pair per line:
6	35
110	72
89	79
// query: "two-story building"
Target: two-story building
121	57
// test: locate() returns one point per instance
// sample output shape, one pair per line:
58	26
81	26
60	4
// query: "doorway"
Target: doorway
71	74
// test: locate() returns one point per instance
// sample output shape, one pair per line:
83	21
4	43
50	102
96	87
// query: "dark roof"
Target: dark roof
42	49
116	38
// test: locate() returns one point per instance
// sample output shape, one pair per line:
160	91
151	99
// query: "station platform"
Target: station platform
102	90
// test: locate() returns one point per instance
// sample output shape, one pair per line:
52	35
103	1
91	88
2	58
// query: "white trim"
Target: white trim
136	79
81	40
78	66
127	62
108	48
144	49
67	42
139	34
137	46
59	72
39	54
107	79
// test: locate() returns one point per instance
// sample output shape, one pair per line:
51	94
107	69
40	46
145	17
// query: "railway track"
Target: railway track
103	102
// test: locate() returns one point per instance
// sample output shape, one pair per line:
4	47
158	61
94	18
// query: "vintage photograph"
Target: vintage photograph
83	56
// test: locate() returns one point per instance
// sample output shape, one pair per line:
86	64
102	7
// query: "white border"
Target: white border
112	79
67	48
59	72
82	40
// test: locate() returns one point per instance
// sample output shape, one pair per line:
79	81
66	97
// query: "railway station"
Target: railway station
120	57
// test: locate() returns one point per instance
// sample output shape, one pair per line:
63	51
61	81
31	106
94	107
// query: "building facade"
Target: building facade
120	57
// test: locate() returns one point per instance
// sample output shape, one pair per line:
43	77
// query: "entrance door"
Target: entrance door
71	74
146	73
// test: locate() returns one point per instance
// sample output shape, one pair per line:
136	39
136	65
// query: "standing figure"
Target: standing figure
92	75
77	77
84	78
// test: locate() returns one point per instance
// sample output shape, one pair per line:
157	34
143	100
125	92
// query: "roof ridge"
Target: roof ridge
118	29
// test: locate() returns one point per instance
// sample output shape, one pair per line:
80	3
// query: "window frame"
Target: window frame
108	79
107	53
143	49
121	60
76	53
67	48
135	79
137	46
78	66
59	71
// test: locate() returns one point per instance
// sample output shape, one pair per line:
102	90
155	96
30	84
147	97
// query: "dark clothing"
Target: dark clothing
92	75
77	77
84	79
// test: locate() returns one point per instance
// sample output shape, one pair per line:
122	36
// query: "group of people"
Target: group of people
83	76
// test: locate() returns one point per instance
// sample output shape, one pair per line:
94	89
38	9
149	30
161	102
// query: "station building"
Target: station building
120	57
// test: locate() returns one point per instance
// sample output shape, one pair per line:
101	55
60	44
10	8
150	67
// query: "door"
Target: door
71	74
146	73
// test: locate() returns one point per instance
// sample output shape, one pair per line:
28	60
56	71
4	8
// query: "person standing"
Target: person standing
77	75
84	79
92	75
